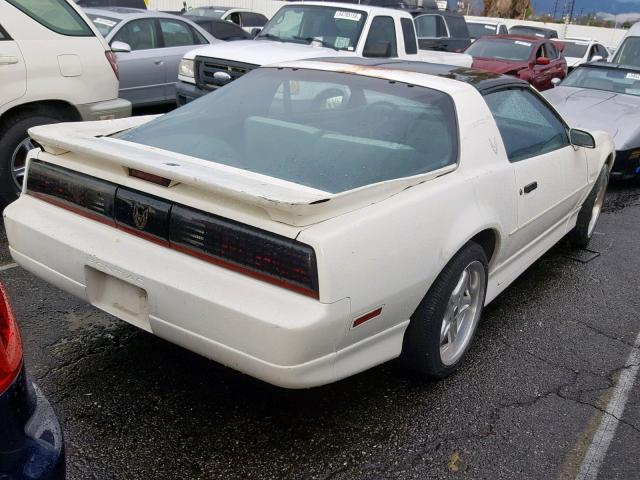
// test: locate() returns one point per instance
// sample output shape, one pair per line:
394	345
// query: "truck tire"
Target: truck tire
444	324
589	213
14	146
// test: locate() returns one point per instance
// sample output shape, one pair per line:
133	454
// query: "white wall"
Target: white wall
608	36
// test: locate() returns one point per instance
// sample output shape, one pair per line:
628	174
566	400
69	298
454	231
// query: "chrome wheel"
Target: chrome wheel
462	314
19	160
597	205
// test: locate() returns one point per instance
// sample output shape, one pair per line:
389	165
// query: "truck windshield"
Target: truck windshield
337	28
629	52
326	130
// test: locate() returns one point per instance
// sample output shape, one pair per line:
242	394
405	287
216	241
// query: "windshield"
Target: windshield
501	49
629	52
103	24
206	12
337	28
573	49
616	80
326	130
477	30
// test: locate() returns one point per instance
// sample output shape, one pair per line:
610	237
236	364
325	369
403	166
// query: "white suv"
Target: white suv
54	67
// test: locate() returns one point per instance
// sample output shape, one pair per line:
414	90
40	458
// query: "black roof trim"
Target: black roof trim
479	79
610	66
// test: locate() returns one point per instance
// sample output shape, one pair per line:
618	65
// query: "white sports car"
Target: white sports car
312	219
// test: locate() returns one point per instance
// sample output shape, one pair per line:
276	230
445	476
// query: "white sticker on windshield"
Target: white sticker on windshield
633	76
342	42
104	21
353	16
525	44
489	27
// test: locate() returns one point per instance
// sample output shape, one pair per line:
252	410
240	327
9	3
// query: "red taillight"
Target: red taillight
113	61
10	344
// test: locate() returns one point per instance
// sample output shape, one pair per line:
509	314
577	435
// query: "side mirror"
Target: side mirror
120	47
542	61
555	81
596	58
255	31
580	138
377	50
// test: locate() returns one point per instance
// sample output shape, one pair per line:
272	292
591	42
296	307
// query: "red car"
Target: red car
536	60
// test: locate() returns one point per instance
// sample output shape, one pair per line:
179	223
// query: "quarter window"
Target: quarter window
176	34
56	15
527	125
383	30
3	34
139	34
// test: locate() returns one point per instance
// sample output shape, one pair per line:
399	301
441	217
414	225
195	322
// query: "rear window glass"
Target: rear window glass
572	49
56	15
104	24
477	30
502	49
326	130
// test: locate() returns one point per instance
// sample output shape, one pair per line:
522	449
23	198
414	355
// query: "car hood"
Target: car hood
264	52
497	66
615	113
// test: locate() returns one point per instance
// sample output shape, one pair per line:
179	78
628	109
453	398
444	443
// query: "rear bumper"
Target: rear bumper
281	337
31	447
107	110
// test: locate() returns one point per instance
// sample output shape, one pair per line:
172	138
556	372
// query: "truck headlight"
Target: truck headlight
186	68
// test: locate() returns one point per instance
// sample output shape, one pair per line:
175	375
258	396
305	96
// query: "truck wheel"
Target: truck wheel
14	146
589	213
444	324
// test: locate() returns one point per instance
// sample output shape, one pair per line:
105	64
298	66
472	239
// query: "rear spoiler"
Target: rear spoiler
284	201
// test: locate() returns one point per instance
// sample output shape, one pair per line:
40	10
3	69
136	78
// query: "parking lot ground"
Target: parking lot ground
546	361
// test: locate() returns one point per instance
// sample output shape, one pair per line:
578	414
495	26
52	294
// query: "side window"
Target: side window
409	35
540	52
552	51
56	15
430	26
3	34
139	34
176	33
502	30
200	40
251	19
527	125
602	52
235	18
383	30
457	27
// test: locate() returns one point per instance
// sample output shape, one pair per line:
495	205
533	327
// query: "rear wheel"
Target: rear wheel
590	212
15	144
444	324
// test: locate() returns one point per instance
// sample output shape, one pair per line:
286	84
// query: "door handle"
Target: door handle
8	60
531	187
158	62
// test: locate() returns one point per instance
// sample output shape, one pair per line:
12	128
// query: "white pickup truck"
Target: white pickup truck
309	30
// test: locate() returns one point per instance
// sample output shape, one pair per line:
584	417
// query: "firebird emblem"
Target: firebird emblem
140	215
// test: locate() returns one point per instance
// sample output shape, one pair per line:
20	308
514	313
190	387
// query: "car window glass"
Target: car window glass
552	51
500	48
56	15
540	52
457	27
603	52
326	130
251	19
228	31
139	34
176	33
430	26
383	30
235	18
199	38
3	34
503	30
527	125
629	52
409	35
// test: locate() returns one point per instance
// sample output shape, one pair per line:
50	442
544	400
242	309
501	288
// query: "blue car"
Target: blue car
31	443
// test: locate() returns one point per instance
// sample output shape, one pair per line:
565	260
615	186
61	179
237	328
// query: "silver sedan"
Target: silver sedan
149	46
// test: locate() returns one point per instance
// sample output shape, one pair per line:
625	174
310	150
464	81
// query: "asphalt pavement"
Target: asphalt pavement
550	359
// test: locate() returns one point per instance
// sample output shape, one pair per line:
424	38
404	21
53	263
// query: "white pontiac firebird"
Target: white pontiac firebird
315	218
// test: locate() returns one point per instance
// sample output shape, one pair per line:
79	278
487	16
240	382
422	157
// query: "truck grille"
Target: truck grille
212	73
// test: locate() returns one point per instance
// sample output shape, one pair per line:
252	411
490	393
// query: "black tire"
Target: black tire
581	234
14	131
421	346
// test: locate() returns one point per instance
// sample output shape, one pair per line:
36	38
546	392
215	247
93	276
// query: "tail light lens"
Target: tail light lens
113	61
10	344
